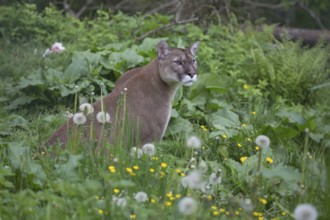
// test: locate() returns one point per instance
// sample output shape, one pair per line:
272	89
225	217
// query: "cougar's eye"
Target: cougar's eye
178	62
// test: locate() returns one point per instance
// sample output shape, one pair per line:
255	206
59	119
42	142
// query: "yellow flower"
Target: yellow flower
261	218
178	171
178	196
227	213
269	160
224	136
164	165
214	207
133	174
154	158
276	218
283	213
169	194
112	169
245	86
129	170
168	203
239	145
100	211
204	128
257	148
253	113
242	159
116	191
172	198
153	201
162	174
222	210
152	170
249	139
263	201
257	214
244	125
209	197
237	213
132	216
136	167
216	213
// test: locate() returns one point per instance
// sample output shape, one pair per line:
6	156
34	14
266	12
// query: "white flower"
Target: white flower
103	117
185	181
305	212
47	52
79	118
192	180
207	188
57	47
194	142
86	108
215	178
118	201
136	152
187	206
68	114
202	165
262	141
149	149
141	196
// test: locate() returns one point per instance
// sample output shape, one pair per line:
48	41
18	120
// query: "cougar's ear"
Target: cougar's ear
162	49
194	47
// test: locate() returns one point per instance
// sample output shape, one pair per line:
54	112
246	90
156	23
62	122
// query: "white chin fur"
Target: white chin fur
188	81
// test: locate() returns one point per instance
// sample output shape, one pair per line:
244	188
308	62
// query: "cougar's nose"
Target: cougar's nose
191	74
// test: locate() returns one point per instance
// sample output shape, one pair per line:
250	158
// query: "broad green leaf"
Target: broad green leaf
22	100
286	173
224	118
293	117
68	170
177	126
149	44
21	159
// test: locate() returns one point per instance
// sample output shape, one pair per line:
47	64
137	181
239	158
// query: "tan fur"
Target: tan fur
149	91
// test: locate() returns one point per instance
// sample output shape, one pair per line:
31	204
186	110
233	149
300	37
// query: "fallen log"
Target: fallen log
307	36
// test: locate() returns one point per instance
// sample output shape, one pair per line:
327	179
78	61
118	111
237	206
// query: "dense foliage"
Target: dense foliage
249	84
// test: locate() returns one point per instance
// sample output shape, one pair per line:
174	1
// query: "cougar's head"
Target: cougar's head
177	65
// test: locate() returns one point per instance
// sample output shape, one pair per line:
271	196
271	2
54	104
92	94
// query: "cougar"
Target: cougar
143	95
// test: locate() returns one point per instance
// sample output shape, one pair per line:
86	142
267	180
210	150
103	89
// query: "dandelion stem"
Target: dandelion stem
102	128
303	169
259	160
123	123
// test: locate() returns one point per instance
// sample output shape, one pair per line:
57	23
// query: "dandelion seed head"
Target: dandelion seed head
149	149
194	142
187	206
79	118
192	180
119	201
68	114
136	153
305	212
103	117
262	141
215	179
141	197
86	108
202	165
